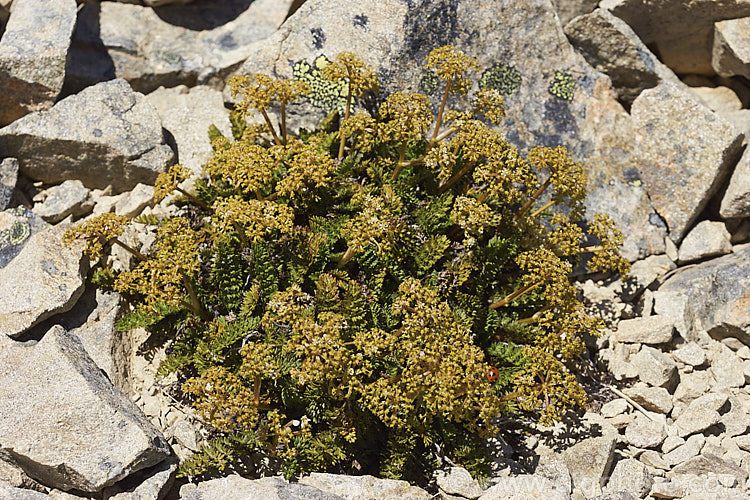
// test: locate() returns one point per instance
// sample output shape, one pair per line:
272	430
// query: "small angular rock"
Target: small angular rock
589	462
105	135
458	481
700	414
69	198
731	49
709	464
523	487
650	330
690	354
615	407
706	239
654	367
645	433
362	487
691	448
632	476
727	369
33	52
643	273
656	399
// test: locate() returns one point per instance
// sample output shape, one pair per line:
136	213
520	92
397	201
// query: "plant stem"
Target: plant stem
346	258
439	120
195	304
412	163
456	177
256	389
542	208
129	249
283	121
513	296
346	115
192	198
532	199
445	134
401	162
591	249
270	127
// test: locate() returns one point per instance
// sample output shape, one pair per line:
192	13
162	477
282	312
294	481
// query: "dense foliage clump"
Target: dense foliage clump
371	296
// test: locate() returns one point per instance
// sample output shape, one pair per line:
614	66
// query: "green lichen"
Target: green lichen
563	86
501	77
328	95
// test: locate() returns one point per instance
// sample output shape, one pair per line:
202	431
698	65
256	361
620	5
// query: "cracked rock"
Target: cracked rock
105	135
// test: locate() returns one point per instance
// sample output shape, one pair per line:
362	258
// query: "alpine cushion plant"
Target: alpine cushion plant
371	296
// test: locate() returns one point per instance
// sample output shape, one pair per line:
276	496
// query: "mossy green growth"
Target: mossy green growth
369	297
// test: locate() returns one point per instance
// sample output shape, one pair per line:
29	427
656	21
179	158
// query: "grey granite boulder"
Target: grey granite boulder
187	114
44	279
731	49
681	31
706	239
8	178
64	423
363	487
106	135
33	52
562	101
193	44
736	200
685	152
713	295
268	488
611	46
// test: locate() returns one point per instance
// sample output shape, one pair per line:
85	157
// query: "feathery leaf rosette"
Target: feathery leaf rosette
368	295
167	182
348	66
97	232
451	65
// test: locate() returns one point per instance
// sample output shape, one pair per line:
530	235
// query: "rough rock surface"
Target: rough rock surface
562	101
47	278
649	330
731	49
678	139
590	462
91	437
524	486
611	46
106	135
198	43
8	178
569	9
187	114
269	488
706	239
681	31
736	200
716	294
363	487
17	226
33	51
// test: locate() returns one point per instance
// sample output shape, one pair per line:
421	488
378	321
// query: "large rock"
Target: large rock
710	464
268	488
523	487
33	51
69	198
736	200
187	114
8	492
681	31
611	46
731	49
363	487
701	414
654	367
64	423
198	43
685	152
106	135
44	279
715	296
648	330
561	101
